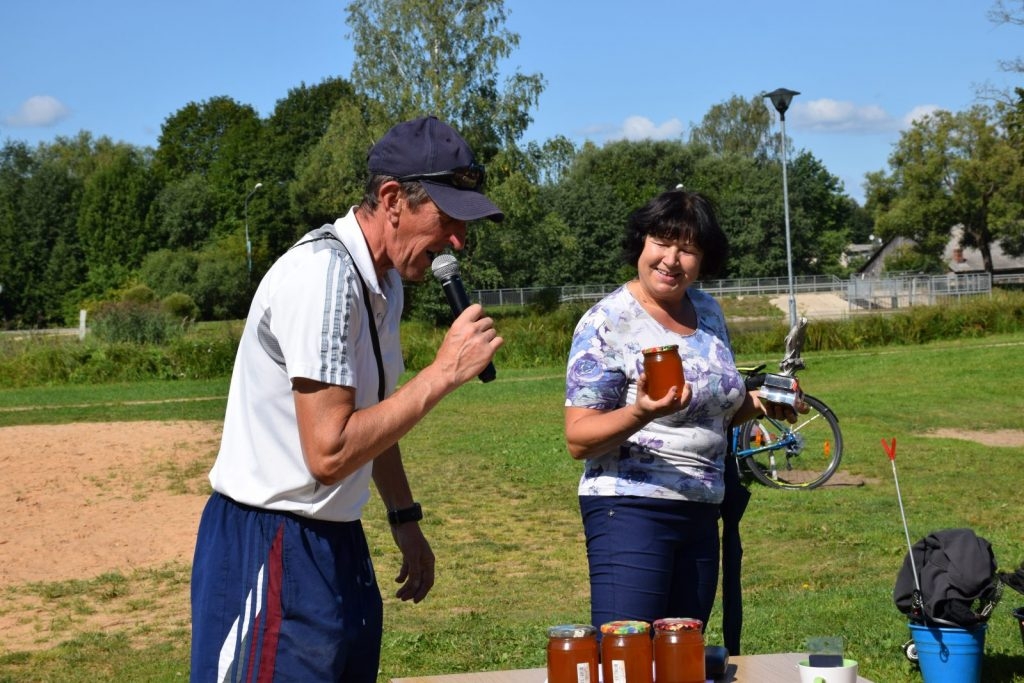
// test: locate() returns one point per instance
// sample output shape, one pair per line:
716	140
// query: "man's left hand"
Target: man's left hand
417	573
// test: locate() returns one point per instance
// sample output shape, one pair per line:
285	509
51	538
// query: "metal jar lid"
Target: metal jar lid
572	631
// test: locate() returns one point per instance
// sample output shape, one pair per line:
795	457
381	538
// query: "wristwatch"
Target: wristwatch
413	513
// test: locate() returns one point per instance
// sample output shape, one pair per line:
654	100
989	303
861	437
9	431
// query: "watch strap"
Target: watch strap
413	513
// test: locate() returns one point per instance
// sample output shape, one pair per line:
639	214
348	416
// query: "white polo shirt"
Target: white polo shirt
307	319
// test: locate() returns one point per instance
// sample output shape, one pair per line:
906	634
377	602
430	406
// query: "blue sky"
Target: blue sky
613	69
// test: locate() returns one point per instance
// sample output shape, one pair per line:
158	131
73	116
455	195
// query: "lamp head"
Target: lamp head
781	97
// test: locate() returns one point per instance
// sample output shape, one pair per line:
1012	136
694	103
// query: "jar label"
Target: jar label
618	671
583	673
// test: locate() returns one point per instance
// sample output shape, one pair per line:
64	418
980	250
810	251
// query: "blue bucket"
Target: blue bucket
949	655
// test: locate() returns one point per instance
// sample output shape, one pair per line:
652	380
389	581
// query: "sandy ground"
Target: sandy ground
99	524
105	500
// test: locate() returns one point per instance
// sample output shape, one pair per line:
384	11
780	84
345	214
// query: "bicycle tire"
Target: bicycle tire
807	462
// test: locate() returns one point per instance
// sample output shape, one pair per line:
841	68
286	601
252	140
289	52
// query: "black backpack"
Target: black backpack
958	581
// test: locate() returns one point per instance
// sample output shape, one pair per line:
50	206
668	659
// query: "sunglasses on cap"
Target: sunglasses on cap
465	177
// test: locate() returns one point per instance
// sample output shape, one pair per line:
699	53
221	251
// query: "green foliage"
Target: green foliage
132	321
166	271
546	301
185	213
40	213
442	57
138	294
279	213
112	218
180	306
1003	312
737	126
223	288
533	338
193	139
201	359
332	175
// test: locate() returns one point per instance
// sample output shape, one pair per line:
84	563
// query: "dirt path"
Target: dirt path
82	501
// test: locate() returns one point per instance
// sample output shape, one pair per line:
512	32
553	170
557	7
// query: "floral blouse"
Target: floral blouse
680	456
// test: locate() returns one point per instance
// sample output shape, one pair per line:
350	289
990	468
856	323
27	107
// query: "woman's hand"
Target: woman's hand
590	433
782	411
675	400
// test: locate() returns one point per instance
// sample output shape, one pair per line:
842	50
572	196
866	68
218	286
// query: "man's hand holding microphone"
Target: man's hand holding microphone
472	341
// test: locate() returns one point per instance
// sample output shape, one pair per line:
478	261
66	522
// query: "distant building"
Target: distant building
875	264
968	259
856	253
958	260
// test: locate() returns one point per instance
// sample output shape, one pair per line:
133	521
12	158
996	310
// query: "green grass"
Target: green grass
498	489
150	400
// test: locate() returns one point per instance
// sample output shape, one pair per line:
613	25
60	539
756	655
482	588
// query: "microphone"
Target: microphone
446	270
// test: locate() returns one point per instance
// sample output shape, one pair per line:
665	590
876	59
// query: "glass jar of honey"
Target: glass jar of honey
572	654
664	370
678	651
626	653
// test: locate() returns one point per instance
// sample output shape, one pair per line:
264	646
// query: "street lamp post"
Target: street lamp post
248	244
781	97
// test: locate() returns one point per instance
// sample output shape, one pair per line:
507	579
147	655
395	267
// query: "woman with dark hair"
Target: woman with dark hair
654	469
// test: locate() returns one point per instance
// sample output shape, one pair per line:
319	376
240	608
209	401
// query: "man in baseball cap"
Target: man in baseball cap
283	587
431	152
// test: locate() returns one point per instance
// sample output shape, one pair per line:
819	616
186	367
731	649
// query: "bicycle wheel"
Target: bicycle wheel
793	456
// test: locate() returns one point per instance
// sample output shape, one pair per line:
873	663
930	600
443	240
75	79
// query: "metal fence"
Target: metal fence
759	286
860	293
914	290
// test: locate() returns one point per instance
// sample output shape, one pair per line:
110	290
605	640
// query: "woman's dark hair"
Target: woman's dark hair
679	215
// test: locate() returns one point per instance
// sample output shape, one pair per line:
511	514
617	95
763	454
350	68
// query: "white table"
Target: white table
776	668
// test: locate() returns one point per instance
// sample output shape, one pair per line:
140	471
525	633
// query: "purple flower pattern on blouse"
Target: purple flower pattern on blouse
680	456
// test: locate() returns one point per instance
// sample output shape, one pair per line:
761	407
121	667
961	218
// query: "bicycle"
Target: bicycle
802	455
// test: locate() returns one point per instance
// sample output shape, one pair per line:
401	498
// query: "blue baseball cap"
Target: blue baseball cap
431	152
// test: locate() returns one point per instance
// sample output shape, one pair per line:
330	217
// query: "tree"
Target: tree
599	191
332	176
209	151
737	126
951	169
279	213
16	167
183	213
196	137
112	220
442	57
1009	12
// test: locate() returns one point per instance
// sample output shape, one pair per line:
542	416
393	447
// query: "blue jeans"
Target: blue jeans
650	558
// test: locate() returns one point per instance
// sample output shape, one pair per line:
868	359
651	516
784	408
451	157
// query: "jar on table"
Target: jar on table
678	651
626	654
572	654
664	370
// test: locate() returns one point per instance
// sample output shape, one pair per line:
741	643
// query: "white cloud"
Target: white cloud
918	113
38	111
642	128
827	115
833	116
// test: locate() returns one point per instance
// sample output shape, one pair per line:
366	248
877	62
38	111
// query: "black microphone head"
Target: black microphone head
445	267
